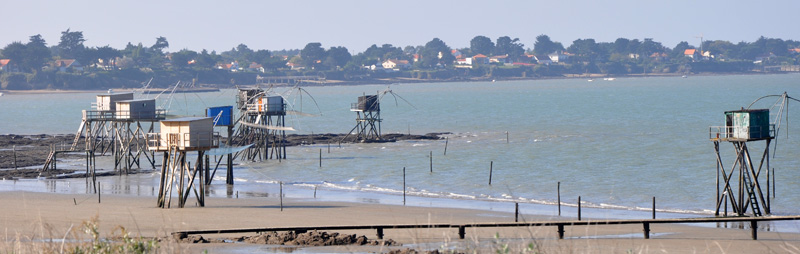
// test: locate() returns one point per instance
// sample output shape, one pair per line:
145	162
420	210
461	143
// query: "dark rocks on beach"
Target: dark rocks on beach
313	238
31	150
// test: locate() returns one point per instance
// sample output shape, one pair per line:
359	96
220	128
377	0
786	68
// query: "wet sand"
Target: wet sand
37	217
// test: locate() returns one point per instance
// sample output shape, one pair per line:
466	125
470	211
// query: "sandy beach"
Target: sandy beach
32	217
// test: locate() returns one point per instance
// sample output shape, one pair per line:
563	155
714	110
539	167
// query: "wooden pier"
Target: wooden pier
560	226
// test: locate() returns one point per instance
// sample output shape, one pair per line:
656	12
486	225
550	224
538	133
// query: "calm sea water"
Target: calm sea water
615	143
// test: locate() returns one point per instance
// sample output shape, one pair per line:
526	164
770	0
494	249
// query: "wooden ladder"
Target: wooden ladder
78	135
49	160
751	193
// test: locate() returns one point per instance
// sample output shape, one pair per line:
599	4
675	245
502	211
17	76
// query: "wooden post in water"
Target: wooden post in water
446	139
724	194
516	212
431	159
404	185
579	207
14	148
280	194
654	208
559	198
329	147
315	191
320	158
491	164
506	137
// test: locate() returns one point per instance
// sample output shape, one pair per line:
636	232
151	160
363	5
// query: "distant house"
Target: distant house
543	60
7	66
480	59
691	53
396	64
503	59
558	56
295	66
67	65
764	57
457	54
256	67
464	61
659	56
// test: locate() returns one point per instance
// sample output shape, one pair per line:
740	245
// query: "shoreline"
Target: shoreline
400	81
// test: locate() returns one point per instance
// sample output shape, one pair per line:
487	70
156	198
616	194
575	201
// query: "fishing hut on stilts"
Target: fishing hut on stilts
118	124
262	123
177	138
368	119
741	186
223	117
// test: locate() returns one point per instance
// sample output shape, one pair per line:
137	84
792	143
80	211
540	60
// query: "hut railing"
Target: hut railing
265	107
159	114
741	132
195	140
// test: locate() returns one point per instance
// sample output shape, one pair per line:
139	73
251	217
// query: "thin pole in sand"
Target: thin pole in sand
558	191
404	185
431	159
516	212
14	148
491	164
579	207
446	139
237	194
280	194
99	189
74	201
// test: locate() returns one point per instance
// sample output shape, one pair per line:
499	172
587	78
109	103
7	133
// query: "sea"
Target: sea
619	145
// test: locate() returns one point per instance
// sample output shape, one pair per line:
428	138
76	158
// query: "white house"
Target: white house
396	64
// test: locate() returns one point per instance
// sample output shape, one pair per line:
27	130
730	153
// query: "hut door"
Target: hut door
173	139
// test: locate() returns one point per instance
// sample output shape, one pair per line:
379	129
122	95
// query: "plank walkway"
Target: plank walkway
560	225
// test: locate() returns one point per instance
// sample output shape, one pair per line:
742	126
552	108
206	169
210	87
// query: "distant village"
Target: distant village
72	65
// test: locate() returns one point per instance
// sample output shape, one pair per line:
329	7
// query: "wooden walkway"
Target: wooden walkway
560	226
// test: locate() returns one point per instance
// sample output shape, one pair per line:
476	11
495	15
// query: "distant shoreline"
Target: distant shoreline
212	87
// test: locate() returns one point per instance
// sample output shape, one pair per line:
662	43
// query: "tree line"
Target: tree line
108	67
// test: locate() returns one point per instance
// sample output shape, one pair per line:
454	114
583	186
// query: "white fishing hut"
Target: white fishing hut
270	105
185	133
108	102
136	109
177	137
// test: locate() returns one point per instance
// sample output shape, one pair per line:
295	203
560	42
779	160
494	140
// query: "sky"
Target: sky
356	25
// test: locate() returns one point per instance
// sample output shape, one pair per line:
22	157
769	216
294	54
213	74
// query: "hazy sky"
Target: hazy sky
275	25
